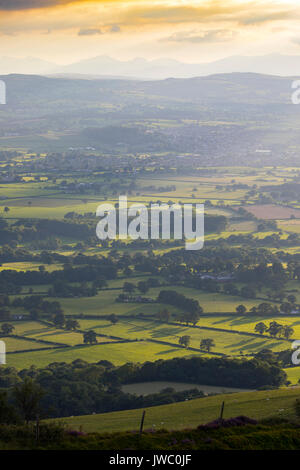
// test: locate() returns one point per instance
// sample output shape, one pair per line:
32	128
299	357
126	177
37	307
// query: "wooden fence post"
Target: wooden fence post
142	422
222	410
37	429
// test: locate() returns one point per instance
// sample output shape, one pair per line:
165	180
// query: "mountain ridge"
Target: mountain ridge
157	69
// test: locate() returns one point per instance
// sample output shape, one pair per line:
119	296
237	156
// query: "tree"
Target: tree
90	337
291	298
72	324
7	328
248	292
8	414
128	287
241	309
267	355
286	307
193	318
279	296
59	320
231	289
27	396
4	314
100	283
265	309
127	271
143	287
260	328
297	407
6	209
288	331
274	329
206	344
184	341
34	314
164	315
113	319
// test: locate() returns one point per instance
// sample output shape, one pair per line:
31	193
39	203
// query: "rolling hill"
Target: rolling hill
257	405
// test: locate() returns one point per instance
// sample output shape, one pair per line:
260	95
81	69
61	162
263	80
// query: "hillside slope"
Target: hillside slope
257	405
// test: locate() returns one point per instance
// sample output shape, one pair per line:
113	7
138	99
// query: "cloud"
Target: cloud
93	31
29	4
16	5
115	28
89	32
219	35
111	16
267	17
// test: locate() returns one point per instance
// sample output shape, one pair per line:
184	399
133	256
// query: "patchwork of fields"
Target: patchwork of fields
138	336
136	340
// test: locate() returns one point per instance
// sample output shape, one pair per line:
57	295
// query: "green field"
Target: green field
118	354
58	336
293	374
28	199
257	405
18	344
151	339
29	266
226	343
104	303
247	322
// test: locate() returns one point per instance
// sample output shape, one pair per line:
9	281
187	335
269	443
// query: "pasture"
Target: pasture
272	212
21	344
188	414
117	353
226	342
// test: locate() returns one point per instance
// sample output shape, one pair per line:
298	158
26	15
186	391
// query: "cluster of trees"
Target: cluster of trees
6	329
273	240
179	300
104	269
43	229
22	403
78	388
205	344
185	317
215	223
37	306
240	373
275	329
63	289
265	308
141	286
60	321
90	337
188	317
164	315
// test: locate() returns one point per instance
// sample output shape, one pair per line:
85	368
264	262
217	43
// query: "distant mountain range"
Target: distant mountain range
222	117
139	68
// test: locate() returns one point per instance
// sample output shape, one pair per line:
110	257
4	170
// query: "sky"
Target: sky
194	31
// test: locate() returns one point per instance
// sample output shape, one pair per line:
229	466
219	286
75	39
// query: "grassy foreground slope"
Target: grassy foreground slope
257	405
